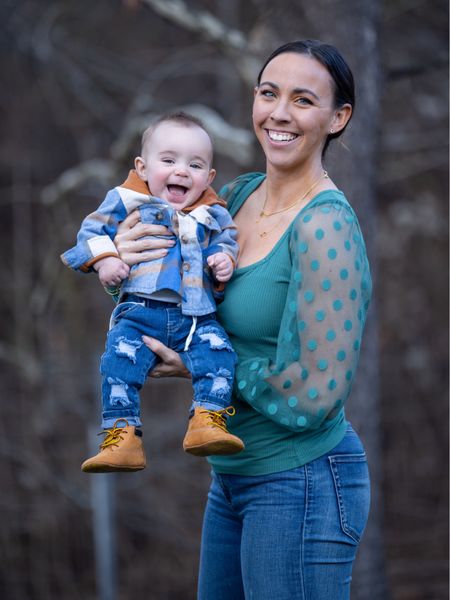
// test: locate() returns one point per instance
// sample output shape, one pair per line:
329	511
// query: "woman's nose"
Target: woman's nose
281	112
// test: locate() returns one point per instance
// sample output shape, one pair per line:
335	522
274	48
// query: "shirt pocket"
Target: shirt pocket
352	485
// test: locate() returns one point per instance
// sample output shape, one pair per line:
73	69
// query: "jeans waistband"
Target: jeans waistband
149	302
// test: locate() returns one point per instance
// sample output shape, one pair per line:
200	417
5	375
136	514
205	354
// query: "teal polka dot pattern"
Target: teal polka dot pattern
303	247
311	345
337	305
320	315
341	355
310	377
309	296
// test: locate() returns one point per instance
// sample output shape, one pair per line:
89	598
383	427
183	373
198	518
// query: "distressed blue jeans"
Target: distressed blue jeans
291	535
127	361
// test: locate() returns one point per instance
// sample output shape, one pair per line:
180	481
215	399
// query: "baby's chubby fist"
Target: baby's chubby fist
221	265
111	270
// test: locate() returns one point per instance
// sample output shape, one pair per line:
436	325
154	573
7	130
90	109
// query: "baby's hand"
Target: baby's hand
221	265
111	270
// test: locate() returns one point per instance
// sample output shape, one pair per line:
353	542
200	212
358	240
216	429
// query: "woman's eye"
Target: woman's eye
267	93
304	101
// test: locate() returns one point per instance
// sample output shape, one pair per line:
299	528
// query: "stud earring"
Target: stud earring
331	130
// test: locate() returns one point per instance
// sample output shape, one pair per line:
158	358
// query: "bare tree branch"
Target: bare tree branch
231	41
233	142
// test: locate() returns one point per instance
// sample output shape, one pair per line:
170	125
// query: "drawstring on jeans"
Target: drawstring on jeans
191	334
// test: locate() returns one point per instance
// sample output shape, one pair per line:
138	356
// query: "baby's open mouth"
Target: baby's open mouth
177	190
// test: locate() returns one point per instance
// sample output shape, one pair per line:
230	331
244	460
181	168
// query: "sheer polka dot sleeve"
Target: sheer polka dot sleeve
322	324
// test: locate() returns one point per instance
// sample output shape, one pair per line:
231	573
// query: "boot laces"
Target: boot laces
218	417
113	435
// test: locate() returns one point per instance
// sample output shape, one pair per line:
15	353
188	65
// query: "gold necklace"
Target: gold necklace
263	213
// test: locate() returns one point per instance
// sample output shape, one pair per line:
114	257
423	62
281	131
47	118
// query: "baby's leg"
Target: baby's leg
211	361
125	364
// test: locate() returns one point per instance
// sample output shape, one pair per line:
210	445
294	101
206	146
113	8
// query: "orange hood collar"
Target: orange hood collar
135	183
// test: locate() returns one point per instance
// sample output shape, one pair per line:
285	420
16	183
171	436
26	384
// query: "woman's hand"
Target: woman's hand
134	246
171	364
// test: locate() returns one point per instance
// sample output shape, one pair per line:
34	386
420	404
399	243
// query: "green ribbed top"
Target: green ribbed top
295	319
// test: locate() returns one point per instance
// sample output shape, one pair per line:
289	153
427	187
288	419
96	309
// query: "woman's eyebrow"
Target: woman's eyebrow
294	91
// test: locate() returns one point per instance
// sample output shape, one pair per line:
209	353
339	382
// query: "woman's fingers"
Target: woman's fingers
171	364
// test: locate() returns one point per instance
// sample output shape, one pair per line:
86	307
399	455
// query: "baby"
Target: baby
171	298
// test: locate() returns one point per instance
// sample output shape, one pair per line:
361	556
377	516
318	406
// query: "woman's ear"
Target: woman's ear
341	117
141	170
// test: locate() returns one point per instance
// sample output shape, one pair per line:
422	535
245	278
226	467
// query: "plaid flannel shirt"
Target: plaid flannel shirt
200	230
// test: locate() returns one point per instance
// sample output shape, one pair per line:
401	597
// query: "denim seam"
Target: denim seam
308	493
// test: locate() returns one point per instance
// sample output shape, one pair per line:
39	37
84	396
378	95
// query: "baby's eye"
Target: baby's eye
168	161
196	166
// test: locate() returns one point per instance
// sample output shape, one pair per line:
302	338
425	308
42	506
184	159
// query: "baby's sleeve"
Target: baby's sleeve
96	234
322	324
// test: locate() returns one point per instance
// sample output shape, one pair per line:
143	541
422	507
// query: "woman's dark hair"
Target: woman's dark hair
332	60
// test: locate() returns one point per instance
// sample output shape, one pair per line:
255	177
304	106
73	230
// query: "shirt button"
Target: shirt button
184	238
186	266
159	216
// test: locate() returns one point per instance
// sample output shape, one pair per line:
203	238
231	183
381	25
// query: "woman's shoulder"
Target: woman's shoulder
240	187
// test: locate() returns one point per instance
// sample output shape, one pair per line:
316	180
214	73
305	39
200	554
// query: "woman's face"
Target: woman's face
293	111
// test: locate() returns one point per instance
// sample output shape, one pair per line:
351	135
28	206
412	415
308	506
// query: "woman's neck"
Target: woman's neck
283	188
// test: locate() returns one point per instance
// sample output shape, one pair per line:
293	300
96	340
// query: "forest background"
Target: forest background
80	81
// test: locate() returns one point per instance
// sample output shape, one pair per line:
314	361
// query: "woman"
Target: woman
284	518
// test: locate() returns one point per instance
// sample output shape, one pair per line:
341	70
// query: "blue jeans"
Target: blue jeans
291	535
127	361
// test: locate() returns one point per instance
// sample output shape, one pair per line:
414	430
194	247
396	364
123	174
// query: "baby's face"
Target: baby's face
176	163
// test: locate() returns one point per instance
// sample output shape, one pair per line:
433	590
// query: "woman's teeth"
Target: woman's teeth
277	136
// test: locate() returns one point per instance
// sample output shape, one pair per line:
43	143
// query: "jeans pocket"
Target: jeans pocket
351	481
121	310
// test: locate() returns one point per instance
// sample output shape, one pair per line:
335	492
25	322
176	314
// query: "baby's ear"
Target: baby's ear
139	165
212	174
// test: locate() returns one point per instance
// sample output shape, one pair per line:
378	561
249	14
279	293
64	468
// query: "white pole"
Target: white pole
104	529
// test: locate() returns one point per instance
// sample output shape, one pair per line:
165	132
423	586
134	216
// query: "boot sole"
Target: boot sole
102	468
214	448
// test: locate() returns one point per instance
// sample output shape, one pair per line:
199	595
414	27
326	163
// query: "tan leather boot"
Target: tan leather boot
207	433
121	450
